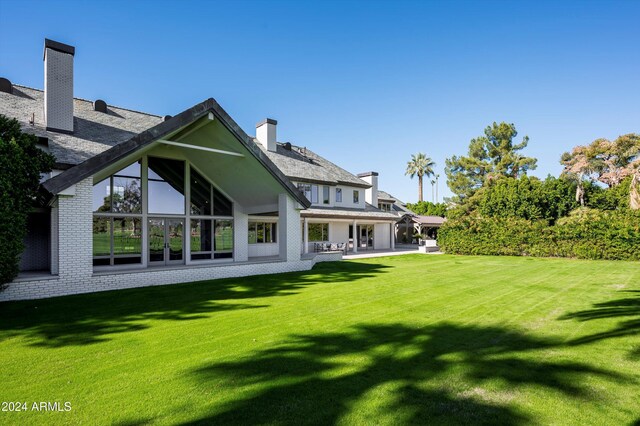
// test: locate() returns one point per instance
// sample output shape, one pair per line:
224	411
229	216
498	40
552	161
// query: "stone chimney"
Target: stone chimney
58	86
371	194
266	133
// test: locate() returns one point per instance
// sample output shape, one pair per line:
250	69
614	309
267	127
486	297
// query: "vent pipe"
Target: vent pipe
100	105
5	85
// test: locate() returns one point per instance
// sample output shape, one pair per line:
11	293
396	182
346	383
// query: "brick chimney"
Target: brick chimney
370	194
58	86
266	133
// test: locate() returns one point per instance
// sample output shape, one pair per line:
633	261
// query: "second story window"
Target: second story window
385	207
325	195
356	196
338	195
309	191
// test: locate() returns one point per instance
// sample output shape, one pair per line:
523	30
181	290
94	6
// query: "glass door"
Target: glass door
166	241
175	241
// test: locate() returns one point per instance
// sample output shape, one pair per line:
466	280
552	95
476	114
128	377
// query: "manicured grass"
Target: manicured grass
408	339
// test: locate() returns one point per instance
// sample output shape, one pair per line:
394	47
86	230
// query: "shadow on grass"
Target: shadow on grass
627	307
94	318
441	374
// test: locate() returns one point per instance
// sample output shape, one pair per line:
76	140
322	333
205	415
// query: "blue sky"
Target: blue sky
365	84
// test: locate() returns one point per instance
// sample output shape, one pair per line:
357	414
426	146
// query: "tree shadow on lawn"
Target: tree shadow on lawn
431	375
92	318
627	307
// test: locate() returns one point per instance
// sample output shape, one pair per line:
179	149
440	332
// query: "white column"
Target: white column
240	234
356	237
392	235
288	229
306	235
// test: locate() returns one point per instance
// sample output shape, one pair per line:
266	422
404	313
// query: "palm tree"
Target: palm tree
433	196
420	165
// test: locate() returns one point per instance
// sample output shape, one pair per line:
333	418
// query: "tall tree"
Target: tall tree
608	162
490	156
420	165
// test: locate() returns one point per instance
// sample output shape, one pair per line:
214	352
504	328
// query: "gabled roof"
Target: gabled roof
304	165
96	163
398	206
94	131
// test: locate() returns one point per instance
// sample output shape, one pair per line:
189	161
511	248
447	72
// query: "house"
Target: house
344	207
408	223
138	199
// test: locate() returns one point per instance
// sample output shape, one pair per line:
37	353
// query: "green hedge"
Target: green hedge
585	234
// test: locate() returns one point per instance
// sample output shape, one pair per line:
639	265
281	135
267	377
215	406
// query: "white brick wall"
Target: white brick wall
75	271
240	235
263	249
145	277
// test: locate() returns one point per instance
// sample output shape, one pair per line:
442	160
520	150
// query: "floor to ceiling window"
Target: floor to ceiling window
171	227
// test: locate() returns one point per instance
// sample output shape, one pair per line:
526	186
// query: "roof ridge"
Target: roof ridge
90	101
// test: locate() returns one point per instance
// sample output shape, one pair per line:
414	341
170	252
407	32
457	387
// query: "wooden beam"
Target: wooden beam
201	148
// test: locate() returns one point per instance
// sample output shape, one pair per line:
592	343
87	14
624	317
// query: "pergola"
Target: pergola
408	225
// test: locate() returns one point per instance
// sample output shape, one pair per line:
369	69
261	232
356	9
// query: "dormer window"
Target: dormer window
356	196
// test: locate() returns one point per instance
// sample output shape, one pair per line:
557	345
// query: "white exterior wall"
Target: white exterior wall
263	249
381	236
54	238
339	232
347	196
105	281
75	241
240	234
289	232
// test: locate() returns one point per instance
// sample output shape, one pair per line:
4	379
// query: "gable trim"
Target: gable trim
92	165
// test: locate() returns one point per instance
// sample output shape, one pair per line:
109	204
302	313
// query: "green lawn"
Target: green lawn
399	340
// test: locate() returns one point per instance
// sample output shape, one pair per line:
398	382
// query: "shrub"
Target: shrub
585	234
21	164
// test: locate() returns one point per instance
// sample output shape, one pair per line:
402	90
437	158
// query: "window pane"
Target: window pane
356	197
127	236
132	170
127	195
325	195
318	232
267	233
166	186
223	235
201	235
200	194
102	196
338	195
252	233
222	206
101	236
260	232
314	194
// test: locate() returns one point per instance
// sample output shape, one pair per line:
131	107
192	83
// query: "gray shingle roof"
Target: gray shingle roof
305	165
94	132
398	206
369	212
